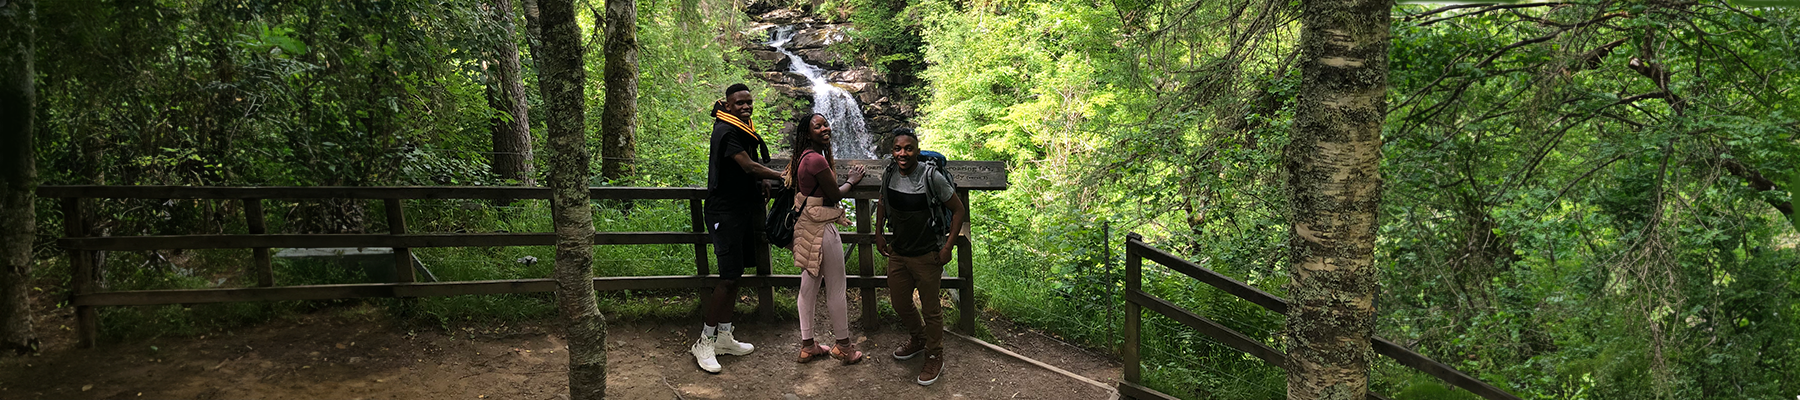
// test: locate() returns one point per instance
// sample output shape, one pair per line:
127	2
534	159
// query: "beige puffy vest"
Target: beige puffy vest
809	231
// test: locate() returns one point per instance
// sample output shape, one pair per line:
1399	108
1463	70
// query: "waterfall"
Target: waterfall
849	137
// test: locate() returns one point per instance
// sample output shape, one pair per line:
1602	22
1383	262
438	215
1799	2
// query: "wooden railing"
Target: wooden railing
973	175
1136	300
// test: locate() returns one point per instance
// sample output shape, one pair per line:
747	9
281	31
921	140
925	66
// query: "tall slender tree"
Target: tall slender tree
18	173
506	92
618	121
1334	190
562	82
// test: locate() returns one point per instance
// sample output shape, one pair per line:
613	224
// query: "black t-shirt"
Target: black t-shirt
731	189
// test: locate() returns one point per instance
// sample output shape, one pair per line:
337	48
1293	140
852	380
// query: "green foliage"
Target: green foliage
887	32
1538	231
1556	219
307	93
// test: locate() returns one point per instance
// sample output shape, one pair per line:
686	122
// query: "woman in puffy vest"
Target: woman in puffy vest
818	250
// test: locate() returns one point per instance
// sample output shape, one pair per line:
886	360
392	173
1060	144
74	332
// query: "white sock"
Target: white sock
709	331
724	327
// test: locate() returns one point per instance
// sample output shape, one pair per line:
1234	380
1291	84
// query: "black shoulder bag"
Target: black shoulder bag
779	227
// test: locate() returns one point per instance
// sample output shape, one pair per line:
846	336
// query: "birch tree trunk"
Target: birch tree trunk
618	122
512	136
18	174
561	81
1334	190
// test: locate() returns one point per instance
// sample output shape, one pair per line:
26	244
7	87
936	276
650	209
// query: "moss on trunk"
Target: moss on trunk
1334	188
573	218
18	174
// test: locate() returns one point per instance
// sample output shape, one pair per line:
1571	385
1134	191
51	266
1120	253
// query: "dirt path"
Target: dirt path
339	356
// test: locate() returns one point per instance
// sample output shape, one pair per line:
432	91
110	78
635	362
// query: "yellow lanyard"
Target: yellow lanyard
734	121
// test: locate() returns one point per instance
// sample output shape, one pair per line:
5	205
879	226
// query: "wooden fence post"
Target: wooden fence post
965	268
1134	265
81	268
965	304
253	217
765	293
867	261
698	222
403	259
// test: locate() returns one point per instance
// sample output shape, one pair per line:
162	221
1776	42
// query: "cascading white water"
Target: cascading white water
849	137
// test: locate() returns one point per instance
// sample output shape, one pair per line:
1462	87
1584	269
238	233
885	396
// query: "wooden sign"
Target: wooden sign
970	175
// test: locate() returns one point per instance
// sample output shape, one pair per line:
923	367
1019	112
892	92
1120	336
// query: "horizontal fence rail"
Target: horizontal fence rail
128	243
435	289
1136	299
84	251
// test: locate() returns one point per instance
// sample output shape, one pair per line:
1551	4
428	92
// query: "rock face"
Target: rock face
825	46
817	37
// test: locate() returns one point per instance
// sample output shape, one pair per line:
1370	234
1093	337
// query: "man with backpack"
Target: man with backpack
920	204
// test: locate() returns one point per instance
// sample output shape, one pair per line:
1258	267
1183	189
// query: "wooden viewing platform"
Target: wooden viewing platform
971	176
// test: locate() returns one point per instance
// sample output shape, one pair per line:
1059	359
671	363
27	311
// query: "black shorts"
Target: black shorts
735	236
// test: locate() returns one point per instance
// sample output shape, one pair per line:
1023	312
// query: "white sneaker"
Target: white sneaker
726	344
703	354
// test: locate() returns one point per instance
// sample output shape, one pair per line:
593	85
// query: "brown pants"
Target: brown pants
925	273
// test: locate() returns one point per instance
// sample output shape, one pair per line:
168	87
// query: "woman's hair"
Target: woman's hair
801	140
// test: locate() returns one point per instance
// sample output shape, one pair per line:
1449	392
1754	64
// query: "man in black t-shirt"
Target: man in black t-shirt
734	214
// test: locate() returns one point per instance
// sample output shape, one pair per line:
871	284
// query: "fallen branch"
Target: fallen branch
665	381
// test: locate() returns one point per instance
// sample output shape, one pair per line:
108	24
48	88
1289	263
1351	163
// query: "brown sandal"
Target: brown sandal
846	352
809	353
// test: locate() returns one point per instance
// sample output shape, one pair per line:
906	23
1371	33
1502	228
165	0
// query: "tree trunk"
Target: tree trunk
512	135
534	31
18	174
618	121
1334	190
562	80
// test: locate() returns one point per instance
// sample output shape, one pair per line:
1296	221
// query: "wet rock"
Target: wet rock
758	7
822	58
782	16
773	78
885	106
769	60
759	32
817	37
857	88
856	74
798	92
903	110
882	125
782	78
868	96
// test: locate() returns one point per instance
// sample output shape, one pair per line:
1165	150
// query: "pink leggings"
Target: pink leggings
832	266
